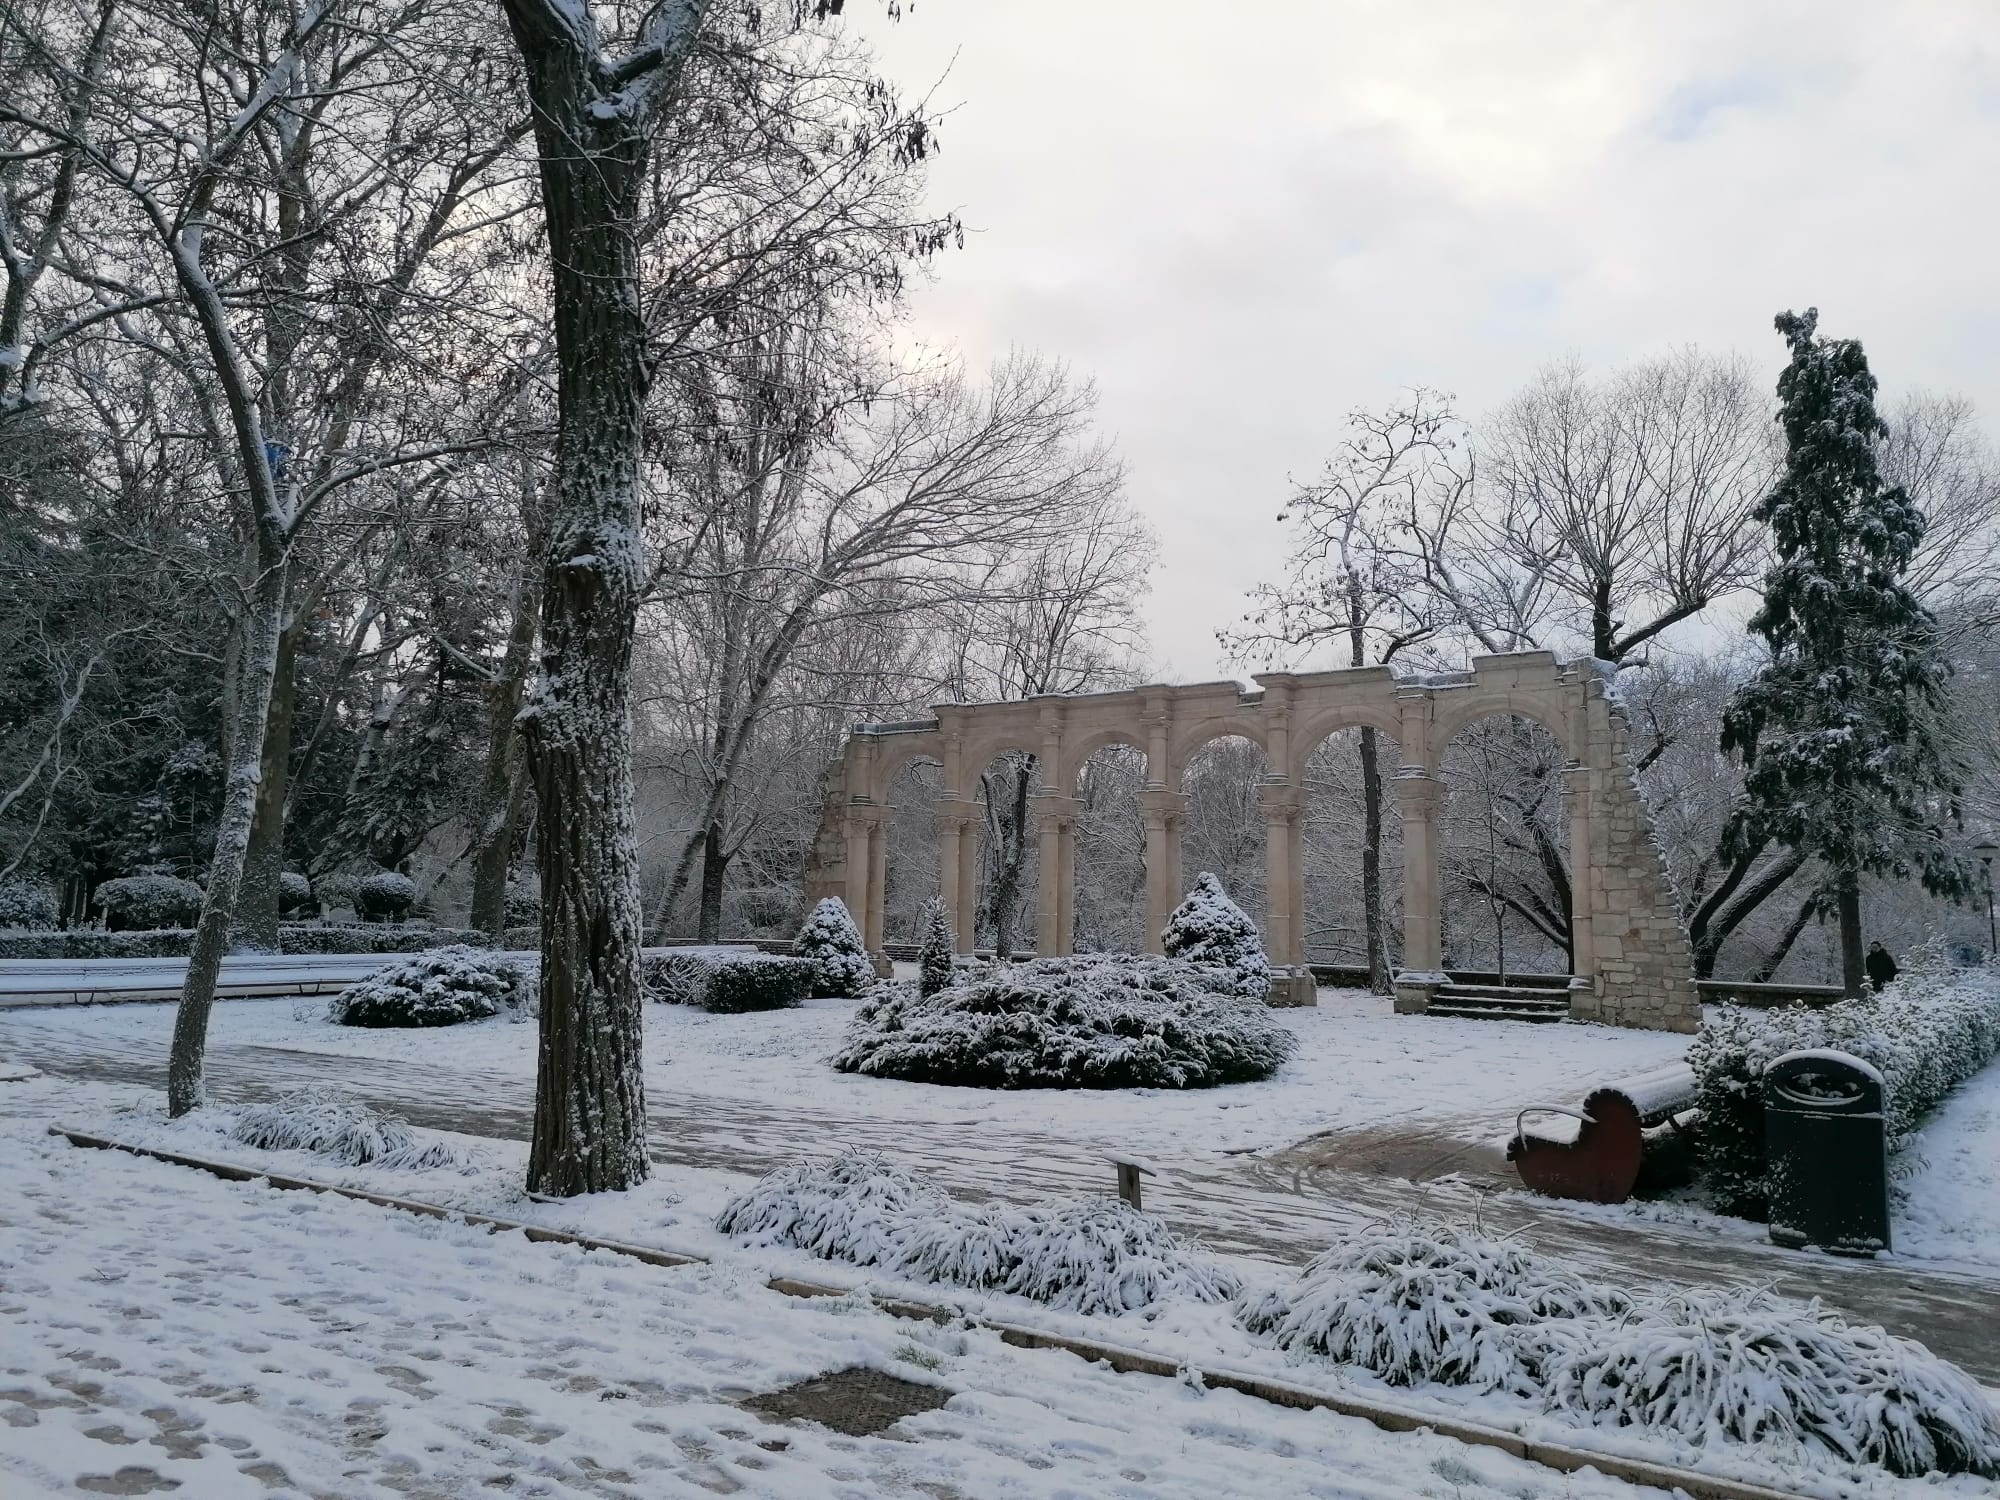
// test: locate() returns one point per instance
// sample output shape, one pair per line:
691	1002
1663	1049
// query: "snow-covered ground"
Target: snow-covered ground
1949	1204
169	1332
1358	1066
336	1340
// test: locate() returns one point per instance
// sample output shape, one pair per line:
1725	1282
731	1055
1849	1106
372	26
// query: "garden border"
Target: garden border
1126	1361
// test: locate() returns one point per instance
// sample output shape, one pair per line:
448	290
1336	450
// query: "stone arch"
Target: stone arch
1081	749
1319	727
1336	925
1188	742
1461	711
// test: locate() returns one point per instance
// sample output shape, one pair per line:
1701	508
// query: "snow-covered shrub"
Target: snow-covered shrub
149	902
1099	1020
385	896
294	890
440	988
1745	1365
354	937
173	942
831	940
725	979
759	981
523	907
1926	1035
934	958
1208	928
329	1124
1089	1257
27	906
1416	1302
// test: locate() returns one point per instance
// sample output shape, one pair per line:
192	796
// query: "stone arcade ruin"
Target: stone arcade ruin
1632	964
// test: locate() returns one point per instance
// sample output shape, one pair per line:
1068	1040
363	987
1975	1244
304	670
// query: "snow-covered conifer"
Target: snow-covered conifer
934	959
1842	731
832	941
1210	929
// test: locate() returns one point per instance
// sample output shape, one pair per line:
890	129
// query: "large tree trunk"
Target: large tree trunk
1373	925
1848	895
495	814
258	668
593	132
714	874
1769	967
257	903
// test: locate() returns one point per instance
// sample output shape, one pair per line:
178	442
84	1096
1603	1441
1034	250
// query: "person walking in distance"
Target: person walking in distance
1880	966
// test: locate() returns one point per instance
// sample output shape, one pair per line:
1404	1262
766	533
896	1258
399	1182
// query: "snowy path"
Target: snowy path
1283	1206
171	1333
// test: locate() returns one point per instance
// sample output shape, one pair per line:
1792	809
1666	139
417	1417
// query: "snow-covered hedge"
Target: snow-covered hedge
833	943
145	902
293	937
1100	1020
1089	1257
27	906
726	979
441	988
385	895
1745	1365
1926	1034
341	1129
1417	1302
1210	929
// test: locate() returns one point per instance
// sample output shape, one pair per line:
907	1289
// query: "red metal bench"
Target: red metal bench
1629	1135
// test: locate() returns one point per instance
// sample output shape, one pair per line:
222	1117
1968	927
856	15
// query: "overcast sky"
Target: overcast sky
1243	221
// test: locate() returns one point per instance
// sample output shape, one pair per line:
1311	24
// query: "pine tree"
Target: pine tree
1210	929
831	940
934	958
1840	736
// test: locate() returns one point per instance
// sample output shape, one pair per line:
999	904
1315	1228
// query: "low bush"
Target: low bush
831	941
1102	1021
441	988
1926	1034
26	906
1429	1302
384	896
1753	1367
725	979
1087	1257
1208	928
356	937
331	1125
294	890
147	902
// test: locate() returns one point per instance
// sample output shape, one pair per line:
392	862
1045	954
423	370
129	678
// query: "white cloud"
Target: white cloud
1246	220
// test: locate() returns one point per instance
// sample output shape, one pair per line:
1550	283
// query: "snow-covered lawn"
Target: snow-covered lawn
1358	1066
167	1331
1949	1208
299	1326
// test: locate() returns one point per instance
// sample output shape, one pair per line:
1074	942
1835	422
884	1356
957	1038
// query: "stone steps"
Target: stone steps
1497	1002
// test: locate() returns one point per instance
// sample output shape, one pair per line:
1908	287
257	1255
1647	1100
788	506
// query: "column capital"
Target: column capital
1416	793
956	812
1055	810
1158	802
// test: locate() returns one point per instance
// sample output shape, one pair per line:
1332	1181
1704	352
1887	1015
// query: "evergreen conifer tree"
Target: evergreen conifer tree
934	958
831	940
1840	736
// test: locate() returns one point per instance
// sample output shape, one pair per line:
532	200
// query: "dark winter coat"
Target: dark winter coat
1880	966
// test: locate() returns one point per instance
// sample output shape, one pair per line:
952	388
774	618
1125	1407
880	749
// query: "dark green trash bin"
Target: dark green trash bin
1827	1152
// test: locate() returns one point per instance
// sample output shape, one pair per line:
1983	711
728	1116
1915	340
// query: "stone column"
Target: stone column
1283	938
1418	798
1066	883
950	832
878	879
1162	811
1579	789
1048	880
856	895
965	915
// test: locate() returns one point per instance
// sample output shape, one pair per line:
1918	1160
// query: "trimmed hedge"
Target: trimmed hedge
149	902
27	906
385	895
726	979
1926	1035
175	942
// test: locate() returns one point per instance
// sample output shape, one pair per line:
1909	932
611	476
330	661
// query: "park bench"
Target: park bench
1629	1135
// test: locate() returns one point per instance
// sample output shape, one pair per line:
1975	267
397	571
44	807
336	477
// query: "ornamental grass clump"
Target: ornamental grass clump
1086	1257
1744	1365
442	988
1099	1021
1416	1302
342	1130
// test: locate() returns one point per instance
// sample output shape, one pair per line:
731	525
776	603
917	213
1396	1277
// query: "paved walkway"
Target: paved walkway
1282	1207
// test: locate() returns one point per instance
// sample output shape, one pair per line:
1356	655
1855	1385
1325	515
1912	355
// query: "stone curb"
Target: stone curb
1385	1415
